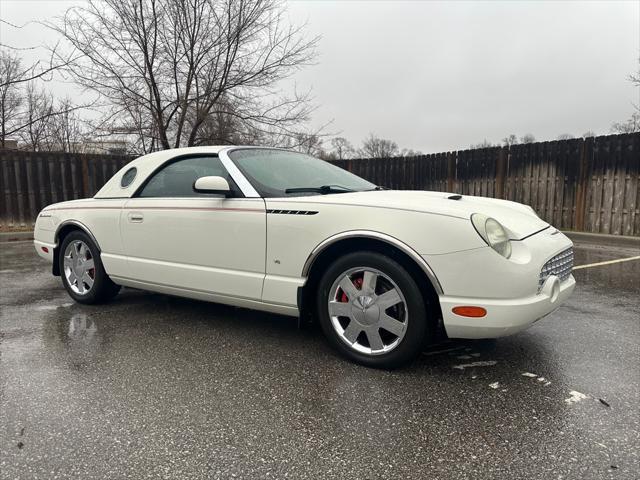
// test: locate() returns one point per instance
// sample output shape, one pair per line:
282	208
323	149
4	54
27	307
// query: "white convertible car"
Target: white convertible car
382	271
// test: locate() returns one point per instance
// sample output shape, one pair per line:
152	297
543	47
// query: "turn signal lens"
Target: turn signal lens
45	249
475	312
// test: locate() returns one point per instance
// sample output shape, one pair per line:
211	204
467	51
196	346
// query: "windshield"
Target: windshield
274	172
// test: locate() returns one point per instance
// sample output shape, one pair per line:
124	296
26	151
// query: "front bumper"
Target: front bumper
505	317
508	289
44	249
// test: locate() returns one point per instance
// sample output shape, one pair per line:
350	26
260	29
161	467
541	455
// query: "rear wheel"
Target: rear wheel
82	272
371	310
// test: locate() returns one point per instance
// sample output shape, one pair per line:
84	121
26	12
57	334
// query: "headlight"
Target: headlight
493	233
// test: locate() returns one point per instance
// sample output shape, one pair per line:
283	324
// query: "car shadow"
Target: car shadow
258	333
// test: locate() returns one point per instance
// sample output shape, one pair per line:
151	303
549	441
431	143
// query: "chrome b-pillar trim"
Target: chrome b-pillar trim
424	266
245	186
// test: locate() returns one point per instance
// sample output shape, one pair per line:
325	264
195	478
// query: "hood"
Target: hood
517	218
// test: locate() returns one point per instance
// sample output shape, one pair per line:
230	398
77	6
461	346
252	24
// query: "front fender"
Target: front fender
415	256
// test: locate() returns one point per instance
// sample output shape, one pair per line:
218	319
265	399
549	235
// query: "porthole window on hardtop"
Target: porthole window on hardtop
128	177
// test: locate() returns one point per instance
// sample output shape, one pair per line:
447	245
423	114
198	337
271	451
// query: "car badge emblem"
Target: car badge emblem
365	302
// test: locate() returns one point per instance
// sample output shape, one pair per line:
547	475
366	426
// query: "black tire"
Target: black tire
417	323
103	289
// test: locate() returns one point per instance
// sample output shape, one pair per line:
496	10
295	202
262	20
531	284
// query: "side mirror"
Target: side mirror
212	185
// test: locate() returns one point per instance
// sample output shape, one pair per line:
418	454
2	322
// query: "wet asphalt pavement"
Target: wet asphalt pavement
151	386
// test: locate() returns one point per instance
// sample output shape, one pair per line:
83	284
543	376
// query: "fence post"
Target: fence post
451	171
501	171
584	167
85	178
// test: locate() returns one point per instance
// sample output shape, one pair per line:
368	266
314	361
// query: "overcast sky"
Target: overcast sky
438	76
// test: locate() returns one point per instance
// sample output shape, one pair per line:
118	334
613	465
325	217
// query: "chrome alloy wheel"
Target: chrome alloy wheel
79	267
368	311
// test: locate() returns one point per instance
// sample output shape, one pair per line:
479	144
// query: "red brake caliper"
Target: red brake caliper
343	296
92	272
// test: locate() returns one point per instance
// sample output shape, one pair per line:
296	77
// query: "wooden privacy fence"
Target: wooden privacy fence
32	180
589	185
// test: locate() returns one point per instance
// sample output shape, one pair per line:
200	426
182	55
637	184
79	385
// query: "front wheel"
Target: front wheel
372	310
82	272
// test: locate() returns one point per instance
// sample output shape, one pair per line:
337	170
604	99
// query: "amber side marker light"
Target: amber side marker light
45	249
475	312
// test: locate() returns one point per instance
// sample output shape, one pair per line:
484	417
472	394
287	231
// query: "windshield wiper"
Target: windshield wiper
324	189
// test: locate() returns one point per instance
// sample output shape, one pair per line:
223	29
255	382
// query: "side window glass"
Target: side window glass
128	177
177	178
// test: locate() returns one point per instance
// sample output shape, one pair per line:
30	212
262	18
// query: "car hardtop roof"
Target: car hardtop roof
147	164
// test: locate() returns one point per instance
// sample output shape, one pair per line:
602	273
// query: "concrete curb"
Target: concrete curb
15	236
604	239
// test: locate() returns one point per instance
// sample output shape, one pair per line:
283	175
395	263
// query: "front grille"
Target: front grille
560	266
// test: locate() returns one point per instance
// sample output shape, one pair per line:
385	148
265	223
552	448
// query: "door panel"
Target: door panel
208	244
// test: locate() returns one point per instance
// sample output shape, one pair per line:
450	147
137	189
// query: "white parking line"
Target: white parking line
609	262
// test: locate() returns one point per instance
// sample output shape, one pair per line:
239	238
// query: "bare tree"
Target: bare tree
36	70
10	96
565	136
309	143
224	127
38	111
632	125
25	109
14	76
376	147
372	147
66	129
409	152
484	144
342	148
527	138
510	140
164	67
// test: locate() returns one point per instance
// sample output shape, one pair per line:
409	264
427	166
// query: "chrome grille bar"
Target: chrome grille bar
560	266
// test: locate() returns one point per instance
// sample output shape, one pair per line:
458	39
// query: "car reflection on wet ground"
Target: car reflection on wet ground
155	386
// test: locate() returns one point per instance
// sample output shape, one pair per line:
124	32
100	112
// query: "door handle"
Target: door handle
136	217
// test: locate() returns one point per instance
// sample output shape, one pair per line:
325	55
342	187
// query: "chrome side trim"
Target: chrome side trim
242	182
82	226
415	256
